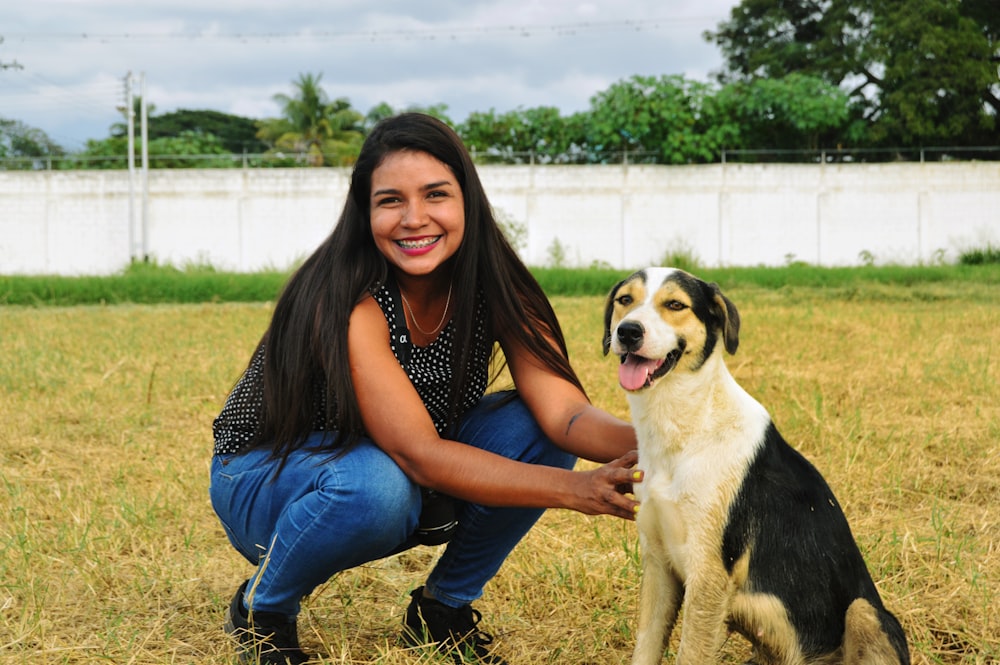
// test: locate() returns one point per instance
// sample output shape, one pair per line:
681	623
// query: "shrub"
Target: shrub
980	256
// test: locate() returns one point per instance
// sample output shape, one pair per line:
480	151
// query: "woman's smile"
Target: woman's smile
418	246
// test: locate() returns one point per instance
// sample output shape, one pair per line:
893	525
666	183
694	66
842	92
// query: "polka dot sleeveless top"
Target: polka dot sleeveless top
429	369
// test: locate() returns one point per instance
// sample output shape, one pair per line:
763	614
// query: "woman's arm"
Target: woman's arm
396	419
565	414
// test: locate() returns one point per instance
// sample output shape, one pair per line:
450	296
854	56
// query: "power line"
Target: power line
454	32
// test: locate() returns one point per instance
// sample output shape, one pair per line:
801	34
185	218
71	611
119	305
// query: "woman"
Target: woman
364	404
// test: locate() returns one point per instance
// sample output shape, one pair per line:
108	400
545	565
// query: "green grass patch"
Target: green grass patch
151	284
143	284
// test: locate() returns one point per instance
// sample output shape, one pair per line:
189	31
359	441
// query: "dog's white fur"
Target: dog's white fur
699	432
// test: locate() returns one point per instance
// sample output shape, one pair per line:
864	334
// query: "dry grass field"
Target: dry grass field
110	553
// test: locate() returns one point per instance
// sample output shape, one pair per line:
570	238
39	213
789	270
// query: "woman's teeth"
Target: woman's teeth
417	244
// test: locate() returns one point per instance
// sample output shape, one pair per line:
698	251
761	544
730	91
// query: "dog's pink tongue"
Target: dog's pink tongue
633	373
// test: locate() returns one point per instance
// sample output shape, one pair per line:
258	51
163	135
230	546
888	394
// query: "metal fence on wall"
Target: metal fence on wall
838	155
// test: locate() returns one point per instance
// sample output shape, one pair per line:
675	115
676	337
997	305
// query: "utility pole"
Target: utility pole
130	122
138	230
143	123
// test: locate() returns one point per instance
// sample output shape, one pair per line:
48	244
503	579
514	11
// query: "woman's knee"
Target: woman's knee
387	494
376	492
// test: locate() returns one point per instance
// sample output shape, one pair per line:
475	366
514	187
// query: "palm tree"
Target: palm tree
312	127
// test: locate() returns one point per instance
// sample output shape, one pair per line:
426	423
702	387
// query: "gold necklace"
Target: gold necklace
443	314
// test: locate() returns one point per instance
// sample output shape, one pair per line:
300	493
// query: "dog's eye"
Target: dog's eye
675	305
624	300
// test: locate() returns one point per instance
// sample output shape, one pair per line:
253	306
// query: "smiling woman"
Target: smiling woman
357	432
418	223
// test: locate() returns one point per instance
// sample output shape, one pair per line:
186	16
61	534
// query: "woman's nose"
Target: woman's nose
413	215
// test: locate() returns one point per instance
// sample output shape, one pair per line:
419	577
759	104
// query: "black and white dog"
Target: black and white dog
734	522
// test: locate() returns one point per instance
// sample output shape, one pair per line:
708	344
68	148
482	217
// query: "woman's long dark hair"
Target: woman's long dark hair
305	346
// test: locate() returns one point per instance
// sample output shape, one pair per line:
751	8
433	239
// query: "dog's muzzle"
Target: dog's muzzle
637	372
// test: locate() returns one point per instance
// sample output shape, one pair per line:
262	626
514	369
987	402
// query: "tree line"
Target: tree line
861	79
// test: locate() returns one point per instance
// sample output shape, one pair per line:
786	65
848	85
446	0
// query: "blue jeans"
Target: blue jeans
321	516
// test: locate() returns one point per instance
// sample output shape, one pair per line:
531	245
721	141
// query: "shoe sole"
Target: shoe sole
242	652
229	626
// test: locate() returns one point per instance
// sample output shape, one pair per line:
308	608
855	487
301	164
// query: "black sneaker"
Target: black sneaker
265	638
454	630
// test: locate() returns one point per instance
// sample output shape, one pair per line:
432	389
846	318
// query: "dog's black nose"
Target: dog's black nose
630	335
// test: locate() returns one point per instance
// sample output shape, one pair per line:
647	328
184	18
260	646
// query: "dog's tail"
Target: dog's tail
873	636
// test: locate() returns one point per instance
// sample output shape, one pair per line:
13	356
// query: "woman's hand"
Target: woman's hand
605	490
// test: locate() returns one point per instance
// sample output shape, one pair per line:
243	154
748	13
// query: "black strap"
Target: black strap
398	332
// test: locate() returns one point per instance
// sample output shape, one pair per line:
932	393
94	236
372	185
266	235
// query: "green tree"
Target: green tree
376	114
26	147
917	72
313	128
190	149
383	110
792	113
235	133
939	75
109	153
491	135
523	135
768	39
669	117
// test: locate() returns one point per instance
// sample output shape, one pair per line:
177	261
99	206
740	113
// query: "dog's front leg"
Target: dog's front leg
707	601
660	597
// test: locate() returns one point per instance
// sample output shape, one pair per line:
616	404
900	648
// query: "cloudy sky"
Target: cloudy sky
63	62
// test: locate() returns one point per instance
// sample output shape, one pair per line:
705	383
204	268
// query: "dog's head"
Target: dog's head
659	319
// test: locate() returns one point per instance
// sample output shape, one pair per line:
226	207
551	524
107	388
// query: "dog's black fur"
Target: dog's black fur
787	514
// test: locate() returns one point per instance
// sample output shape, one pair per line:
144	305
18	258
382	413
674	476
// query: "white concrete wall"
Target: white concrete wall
78	222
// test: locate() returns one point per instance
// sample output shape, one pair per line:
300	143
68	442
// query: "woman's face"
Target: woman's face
417	212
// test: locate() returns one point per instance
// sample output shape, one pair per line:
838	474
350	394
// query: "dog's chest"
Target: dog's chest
697	439
685	501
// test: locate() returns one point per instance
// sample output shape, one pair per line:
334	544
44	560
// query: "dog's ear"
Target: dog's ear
730	319
609	307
